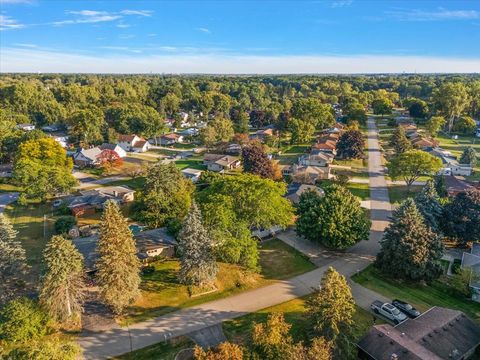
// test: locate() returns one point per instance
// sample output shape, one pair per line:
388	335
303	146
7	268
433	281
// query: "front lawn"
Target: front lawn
421	296
161	292
360	190
398	193
190	163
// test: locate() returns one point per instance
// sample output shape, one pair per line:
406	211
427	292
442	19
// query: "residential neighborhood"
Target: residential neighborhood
238	181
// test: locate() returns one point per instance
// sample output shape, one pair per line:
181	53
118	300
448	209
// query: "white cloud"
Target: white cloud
341	3
436	15
31	60
146	13
8	23
123	26
204	30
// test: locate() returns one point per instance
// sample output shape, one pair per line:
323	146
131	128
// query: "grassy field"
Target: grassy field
398	193
421	296
190	163
360	190
161	292
136	184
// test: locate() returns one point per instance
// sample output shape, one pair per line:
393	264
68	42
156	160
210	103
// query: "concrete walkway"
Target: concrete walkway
118	341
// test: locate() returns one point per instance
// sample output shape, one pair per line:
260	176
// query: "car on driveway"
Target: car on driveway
406	308
388	311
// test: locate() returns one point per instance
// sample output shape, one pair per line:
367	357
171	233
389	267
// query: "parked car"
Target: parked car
388	311
406	308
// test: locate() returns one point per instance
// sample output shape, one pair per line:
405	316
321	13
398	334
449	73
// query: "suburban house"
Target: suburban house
25	127
114	147
438	333
316	158
220	162
149	244
262	135
296	189
192	174
471	260
133	143
91	200
454	185
307	174
450	163
87	157
53	128
170	139
189	132
62	140
233	149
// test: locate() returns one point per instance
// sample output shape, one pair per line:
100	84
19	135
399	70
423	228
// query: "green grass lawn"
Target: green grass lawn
161	292
421	296
360	190
190	163
184	146
353	163
398	193
137	183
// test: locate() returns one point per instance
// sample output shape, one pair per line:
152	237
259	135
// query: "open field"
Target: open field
421	296
162	293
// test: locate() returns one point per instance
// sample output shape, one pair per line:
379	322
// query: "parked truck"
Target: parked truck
388	311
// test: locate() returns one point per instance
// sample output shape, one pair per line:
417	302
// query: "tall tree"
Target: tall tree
465	125
412	164
224	351
330	312
13	262
451	99
118	267
167	195
351	145
272	340
197	260
256	161
312	111
62	289
399	140
86	126
435	124
428	203
335	220
218	130
382	106
302	131
461	218
43	168
409	248
469	156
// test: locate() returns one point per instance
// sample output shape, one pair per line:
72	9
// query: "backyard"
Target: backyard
162	293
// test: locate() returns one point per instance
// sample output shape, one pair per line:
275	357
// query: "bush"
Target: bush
22	319
46	350
64	224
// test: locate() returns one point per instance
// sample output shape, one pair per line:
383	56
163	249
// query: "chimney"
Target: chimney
394	357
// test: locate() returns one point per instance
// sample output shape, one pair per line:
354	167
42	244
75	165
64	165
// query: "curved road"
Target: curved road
119	341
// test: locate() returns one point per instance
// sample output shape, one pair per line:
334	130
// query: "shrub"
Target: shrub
46	350
22	319
64	223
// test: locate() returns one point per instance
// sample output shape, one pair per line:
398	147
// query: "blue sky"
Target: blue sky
240	36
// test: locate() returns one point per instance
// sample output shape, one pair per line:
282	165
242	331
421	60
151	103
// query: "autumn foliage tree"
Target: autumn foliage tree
224	351
256	161
109	160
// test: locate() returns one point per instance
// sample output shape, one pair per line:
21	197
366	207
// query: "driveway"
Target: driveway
6	199
87	181
118	341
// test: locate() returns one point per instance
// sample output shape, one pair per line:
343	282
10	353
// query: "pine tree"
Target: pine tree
409	248
428	203
330	311
469	156
13	263
271	341
118	266
197	259
63	285
399	140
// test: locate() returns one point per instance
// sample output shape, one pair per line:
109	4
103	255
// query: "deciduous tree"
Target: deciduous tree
399	140
451	99
409	248
302	131
351	145
62	289
434	124
256	161
224	351
118	267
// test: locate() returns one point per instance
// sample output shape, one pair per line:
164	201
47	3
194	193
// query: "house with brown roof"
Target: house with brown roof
327	146
170	139
308	174
437	334
454	185
221	162
262	135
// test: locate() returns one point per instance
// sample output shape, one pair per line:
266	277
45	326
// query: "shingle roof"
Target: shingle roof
126	138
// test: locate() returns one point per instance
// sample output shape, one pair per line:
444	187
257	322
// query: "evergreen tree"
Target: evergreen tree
330	311
197	259
335	220
13	262
62	286
271	341
469	156
428	203
461	218
256	161
118	267
409	248
399	140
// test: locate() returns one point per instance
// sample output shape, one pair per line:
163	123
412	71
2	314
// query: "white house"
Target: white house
220	162
192	174
26	127
133	143
114	147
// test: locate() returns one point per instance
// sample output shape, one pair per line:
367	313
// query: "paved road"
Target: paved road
118	341
6	199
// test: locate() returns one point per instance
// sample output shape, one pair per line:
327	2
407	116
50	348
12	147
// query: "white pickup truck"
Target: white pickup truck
388	311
